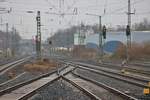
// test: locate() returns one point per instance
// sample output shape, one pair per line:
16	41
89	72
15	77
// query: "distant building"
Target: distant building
79	38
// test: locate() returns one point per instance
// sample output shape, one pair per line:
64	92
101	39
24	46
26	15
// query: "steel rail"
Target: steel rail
133	69
14	63
9	89
27	96
113	90
91	95
115	77
108	72
108	65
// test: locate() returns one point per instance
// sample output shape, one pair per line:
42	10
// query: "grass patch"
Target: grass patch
84	53
43	65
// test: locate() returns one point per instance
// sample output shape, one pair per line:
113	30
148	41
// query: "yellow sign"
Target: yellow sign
146	91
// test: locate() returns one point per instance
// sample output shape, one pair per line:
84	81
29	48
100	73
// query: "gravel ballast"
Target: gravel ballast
60	90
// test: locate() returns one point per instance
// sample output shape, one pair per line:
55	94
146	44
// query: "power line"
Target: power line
143	13
122	8
71	6
51	4
98	5
23	3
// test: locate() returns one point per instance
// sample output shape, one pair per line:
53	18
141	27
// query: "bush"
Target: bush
40	66
137	51
84	53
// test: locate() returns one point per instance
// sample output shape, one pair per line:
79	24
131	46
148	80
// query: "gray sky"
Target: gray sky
26	23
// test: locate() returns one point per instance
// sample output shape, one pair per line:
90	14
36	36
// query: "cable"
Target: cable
71	6
36	6
51	4
98	5
138	1
143	13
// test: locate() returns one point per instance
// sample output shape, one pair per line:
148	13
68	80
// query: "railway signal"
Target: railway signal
50	42
104	32
128	32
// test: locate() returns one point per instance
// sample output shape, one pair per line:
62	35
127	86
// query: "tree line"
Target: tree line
65	37
9	40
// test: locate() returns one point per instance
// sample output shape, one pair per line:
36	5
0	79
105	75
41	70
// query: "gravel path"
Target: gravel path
60	90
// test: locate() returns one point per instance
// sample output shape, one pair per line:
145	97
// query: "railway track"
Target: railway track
24	90
20	84
21	74
4	61
23	77
132	69
97	89
5	67
142	82
138	82
12	70
141	65
129	67
118	76
90	94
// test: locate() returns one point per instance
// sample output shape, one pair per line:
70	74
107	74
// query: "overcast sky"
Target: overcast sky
115	14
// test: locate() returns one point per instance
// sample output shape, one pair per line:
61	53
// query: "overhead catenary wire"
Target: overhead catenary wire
72	5
99	5
51	4
122	8
23	3
113	12
116	11
105	7
143	13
